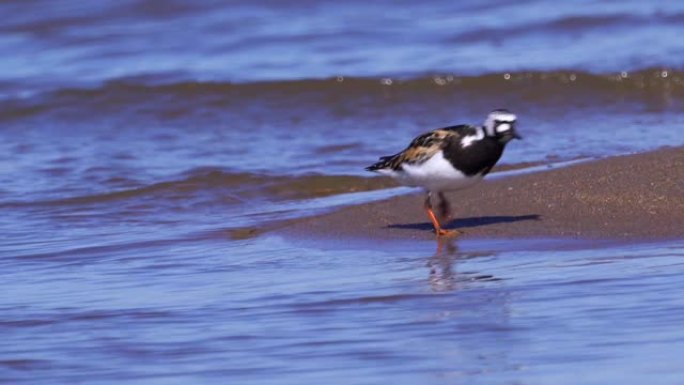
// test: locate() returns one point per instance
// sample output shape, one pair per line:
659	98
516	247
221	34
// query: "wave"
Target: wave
227	188
575	25
146	86
144	94
231	188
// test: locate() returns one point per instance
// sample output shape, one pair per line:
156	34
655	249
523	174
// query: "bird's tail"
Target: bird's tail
385	163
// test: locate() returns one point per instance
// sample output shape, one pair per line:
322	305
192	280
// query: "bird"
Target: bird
450	158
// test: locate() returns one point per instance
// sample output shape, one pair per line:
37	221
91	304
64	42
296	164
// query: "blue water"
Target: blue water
69	42
142	141
535	311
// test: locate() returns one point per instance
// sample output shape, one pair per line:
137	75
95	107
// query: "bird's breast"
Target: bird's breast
437	174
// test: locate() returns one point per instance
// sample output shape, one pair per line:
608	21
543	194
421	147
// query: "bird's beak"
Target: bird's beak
516	135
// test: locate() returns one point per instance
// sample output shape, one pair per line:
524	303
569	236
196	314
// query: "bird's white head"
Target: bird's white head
500	124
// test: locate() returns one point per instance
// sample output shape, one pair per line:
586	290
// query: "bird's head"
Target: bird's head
500	124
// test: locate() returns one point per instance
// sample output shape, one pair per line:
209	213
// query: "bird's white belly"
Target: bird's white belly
436	174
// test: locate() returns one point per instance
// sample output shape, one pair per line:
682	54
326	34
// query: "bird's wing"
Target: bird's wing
422	147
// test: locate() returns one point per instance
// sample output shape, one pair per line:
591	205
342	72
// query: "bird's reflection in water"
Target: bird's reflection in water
443	276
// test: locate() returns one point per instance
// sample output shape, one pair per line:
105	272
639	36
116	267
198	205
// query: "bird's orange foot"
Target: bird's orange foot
447	233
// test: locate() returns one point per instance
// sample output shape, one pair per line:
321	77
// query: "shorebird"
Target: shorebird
450	158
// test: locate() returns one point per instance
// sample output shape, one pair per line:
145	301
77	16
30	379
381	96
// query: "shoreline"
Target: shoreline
630	197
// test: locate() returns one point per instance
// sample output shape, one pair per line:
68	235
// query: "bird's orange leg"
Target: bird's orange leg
444	208
433	218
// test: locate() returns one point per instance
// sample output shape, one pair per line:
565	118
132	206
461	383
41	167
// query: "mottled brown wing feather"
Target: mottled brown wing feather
420	149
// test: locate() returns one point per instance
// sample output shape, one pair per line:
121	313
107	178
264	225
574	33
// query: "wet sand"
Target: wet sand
635	197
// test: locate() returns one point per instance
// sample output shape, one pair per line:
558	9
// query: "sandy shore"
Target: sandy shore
627	197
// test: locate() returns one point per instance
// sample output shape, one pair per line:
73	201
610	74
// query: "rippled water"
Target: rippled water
249	41
537	311
146	150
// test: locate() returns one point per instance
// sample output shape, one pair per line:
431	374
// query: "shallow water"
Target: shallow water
141	145
268	311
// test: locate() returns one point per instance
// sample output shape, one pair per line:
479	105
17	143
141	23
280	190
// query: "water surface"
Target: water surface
141	144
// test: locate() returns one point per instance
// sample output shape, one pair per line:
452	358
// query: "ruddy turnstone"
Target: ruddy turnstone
450	158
